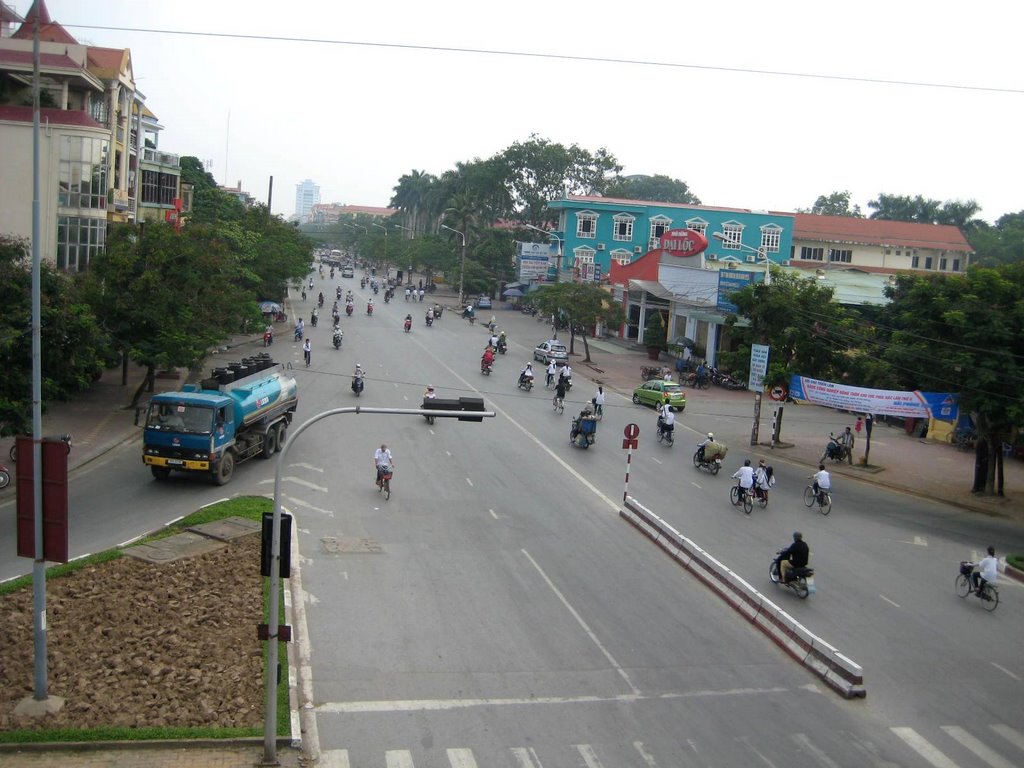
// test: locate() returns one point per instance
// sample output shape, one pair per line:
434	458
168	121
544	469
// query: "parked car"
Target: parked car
484	302
654	393
551	350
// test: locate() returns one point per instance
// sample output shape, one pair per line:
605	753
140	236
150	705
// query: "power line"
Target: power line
555	56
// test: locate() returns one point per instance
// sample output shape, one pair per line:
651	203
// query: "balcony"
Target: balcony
160	158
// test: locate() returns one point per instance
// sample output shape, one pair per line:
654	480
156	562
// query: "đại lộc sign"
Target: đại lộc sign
916	404
683	242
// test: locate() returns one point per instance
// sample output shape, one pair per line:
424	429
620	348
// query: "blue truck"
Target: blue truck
240	411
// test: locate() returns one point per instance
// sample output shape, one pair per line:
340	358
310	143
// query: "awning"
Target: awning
651	286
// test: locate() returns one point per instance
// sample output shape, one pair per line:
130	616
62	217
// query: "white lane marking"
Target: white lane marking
297	481
334	758
1011	735
218	501
695	485
579	620
179	517
920	541
493	513
461	758
764	759
659	461
890	602
1004	670
470	482
806	745
983	751
305	505
588	755
920	745
449	453
303	465
124	544
448	705
525	757
398	758
647	757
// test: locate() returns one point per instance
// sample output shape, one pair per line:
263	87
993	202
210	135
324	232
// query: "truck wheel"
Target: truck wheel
226	469
269	443
281	430
160	473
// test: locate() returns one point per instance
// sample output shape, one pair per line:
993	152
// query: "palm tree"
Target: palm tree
411	196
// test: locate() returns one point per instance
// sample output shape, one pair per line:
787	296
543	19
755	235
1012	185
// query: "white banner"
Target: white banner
914	404
758	367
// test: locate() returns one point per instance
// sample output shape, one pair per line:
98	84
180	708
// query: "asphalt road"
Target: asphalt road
497	612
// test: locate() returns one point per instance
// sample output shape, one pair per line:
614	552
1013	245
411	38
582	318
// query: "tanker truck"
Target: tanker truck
241	411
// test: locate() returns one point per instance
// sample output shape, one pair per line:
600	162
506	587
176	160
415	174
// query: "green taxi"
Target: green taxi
655	393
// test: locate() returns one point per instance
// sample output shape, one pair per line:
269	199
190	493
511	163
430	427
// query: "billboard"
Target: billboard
534	259
938	405
730	281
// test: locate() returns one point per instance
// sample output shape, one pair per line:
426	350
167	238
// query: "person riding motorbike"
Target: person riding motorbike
337	336
357	379
314	316
369	306
430	315
703	444
487	360
349	307
745	475
320	299
337	293
666	421
493	341
502	344
408	323
268	336
526	373
796	555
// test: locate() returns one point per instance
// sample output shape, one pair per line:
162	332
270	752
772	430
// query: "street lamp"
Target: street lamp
381	226
556	237
462	269
761	253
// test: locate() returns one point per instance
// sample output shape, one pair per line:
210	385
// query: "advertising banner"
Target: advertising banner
534	260
938	405
733	280
758	367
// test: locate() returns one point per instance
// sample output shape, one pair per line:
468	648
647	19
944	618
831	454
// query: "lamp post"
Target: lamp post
761	252
381	226
462	269
558	241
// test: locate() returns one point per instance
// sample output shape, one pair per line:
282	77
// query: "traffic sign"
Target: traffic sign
632	432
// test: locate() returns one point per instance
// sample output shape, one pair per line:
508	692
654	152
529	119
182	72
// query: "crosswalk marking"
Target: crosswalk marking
920	745
806	745
398	758
589	756
648	758
1008	733
334	758
461	758
526	757
983	751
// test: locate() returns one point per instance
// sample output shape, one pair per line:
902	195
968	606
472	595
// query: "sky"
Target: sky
754	105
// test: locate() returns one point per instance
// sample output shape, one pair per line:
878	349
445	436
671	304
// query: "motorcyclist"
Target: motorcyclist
314	316
268	336
566	375
408	322
745	475
796	555
430	315
493	341
320	299
337	336
487	360
337	293
349	297
369	306
526	373
666	420
349	306
357	378
502	344
703	444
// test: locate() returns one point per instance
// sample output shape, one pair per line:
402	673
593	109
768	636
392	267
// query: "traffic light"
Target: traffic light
460	408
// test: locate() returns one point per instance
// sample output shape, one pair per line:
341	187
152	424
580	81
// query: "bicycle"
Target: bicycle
989	595
558	404
598	409
384	483
738	496
823	499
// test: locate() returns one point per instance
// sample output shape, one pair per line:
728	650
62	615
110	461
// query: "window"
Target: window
659	226
622	256
812	254
698	225
79	239
82	176
586	225
956	265
584	255
159	188
942	263
841	257
915	262
733	236
771	238
927	262
622	229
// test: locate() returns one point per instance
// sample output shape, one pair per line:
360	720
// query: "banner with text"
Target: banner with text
534	259
938	405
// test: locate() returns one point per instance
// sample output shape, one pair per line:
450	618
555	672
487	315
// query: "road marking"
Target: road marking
306	505
1004	670
334	758
449	453
695	485
986	753
657	460
525	757
301	465
297	481
493	513
647	757
588	755
920	745
806	745
920	541
890	602
398	758
218	501
582	623
461	758
470	482
1011	735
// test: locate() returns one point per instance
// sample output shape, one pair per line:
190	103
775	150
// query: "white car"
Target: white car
552	350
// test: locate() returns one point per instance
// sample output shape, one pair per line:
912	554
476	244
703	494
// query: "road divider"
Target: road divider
835	669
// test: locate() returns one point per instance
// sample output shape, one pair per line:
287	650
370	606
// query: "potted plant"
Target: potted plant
654	335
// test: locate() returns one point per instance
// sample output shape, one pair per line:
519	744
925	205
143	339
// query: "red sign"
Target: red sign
683	242
632	432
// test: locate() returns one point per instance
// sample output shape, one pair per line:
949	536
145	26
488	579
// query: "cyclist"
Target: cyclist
762	480
666	420
746	478
598	402
822	481
552	370
382	458
796	555
559	394
985	571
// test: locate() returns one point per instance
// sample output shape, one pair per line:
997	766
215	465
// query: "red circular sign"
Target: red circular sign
632	431
683	242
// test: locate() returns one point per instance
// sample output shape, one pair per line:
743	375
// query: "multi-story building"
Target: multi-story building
307	194
329	213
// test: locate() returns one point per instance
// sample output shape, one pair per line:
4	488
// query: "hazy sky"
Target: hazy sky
725	119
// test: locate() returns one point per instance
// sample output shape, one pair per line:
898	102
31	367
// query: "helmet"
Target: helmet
430	389
711	436
797	536
358	365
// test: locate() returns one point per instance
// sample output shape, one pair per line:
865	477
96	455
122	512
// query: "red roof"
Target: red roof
843	229
49	31
46	60
48	114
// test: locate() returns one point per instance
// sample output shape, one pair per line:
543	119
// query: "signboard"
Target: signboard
938	405
533	261
729	281
683	242
758	367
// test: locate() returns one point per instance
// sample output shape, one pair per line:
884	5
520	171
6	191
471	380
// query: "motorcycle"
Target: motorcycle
800	580
834	450
336	339
485	368
65	438
568	383
387	297
336	316
349	309
357	385
5	477
648	372
268	338
337	293
375	290
430	320
320	301
666	433
726	381
502	347
313	317
408	325
369	309
362	282
583	431
711	463
298	333
525	382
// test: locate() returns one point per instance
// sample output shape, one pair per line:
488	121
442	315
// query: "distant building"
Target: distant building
240	194
329	213
307	194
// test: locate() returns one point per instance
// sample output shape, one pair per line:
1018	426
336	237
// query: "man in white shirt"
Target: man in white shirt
599	402
666	420
746	477
382	458
986	571
822	479
565	373
552	370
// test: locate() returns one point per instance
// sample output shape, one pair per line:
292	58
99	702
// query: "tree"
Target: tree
957	213
581	305
209	203
965	334
999	244
73	348
411	197
836	204
658	188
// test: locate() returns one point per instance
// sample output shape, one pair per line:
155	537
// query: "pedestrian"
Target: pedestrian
857	427
307	352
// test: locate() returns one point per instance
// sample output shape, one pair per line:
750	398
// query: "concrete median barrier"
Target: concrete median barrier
834	668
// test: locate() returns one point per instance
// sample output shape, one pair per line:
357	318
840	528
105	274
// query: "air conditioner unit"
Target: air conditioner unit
750	259
637	249
600	246
712	257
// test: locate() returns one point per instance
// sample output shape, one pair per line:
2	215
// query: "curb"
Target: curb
835	669
283	742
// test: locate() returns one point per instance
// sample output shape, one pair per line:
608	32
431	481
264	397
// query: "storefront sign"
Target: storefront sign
534	260
683	242
938	405
730	281
758	367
